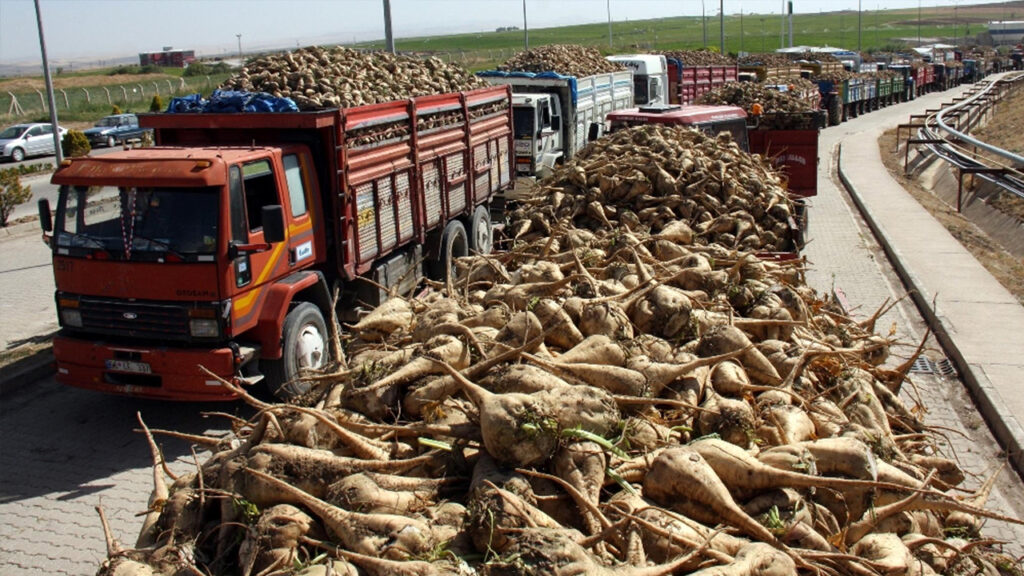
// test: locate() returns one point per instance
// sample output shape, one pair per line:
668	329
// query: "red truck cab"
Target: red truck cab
172	249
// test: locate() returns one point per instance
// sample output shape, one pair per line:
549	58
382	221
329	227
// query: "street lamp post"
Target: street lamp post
240	61
57	152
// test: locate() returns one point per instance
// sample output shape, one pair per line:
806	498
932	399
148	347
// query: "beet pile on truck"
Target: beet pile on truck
223	246
794	151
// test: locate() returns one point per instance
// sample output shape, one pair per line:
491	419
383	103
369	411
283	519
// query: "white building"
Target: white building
1007	32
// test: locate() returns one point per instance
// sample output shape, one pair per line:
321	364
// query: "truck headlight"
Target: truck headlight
203	328
71	317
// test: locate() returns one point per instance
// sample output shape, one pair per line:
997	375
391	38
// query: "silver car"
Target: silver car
23	140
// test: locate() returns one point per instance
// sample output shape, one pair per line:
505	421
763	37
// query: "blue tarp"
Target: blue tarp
232	101
571	80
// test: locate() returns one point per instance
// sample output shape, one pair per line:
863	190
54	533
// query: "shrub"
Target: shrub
196	68
156	104
12	193
75	143
116	110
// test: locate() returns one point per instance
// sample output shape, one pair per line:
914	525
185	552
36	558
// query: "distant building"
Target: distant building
1006	32
167	58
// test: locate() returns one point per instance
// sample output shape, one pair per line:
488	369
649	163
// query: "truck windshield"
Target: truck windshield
737	127
145	224
641	92
524	121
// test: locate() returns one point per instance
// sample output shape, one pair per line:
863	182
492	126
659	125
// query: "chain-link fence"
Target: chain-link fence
92	100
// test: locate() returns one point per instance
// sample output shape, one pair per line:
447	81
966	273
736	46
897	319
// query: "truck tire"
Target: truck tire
481	234
835	112
305	345
454	244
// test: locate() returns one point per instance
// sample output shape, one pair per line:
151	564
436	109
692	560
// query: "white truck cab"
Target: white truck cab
650	77
537	121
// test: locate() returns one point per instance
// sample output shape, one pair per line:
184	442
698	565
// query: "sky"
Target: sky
94	30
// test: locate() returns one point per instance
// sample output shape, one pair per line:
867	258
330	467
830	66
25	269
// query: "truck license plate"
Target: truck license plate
128	366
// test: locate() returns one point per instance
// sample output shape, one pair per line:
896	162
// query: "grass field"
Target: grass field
83	96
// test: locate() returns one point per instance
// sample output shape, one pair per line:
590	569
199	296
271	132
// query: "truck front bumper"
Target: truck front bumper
144	371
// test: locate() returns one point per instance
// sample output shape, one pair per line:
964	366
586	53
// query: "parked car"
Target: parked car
23	140
115	129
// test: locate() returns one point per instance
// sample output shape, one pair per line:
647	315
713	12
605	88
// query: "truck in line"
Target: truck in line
236	241
794	151
555	116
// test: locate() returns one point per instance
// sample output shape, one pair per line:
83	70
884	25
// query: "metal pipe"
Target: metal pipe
1017	159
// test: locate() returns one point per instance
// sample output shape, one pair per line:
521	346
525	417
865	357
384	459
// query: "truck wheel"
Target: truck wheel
835	112
17	154
481	235
454	244
305	345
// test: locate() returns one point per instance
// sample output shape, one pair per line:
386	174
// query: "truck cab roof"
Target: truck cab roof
146	166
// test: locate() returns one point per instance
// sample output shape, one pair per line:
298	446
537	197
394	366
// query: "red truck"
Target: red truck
793	151
235	242
687	83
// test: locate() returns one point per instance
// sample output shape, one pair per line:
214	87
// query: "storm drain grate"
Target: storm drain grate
924	365
946	367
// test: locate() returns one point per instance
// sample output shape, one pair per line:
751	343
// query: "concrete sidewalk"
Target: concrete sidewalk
979	323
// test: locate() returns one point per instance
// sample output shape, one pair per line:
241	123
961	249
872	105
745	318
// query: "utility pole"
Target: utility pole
782	24
610	25
704	24
240	60
721	26
389	38
741	28
526	30
790	23
859	46
49	89
919	23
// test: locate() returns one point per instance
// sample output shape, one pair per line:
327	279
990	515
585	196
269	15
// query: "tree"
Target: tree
12	193
75	143
156	104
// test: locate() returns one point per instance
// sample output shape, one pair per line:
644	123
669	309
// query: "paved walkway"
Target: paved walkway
980	324
845	255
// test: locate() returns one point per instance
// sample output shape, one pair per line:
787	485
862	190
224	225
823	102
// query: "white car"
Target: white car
23	140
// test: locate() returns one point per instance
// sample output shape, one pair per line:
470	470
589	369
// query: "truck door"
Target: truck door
252	186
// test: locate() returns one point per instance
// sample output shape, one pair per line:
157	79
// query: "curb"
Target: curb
987	399
19	374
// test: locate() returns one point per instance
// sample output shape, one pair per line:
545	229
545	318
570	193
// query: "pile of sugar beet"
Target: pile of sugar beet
630	388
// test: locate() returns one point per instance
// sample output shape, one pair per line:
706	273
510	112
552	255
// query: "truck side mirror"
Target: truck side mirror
45	216
273	223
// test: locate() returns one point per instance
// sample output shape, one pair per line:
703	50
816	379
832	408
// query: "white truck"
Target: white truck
650	77
554	116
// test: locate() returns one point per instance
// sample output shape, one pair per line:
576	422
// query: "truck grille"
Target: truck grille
134	319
